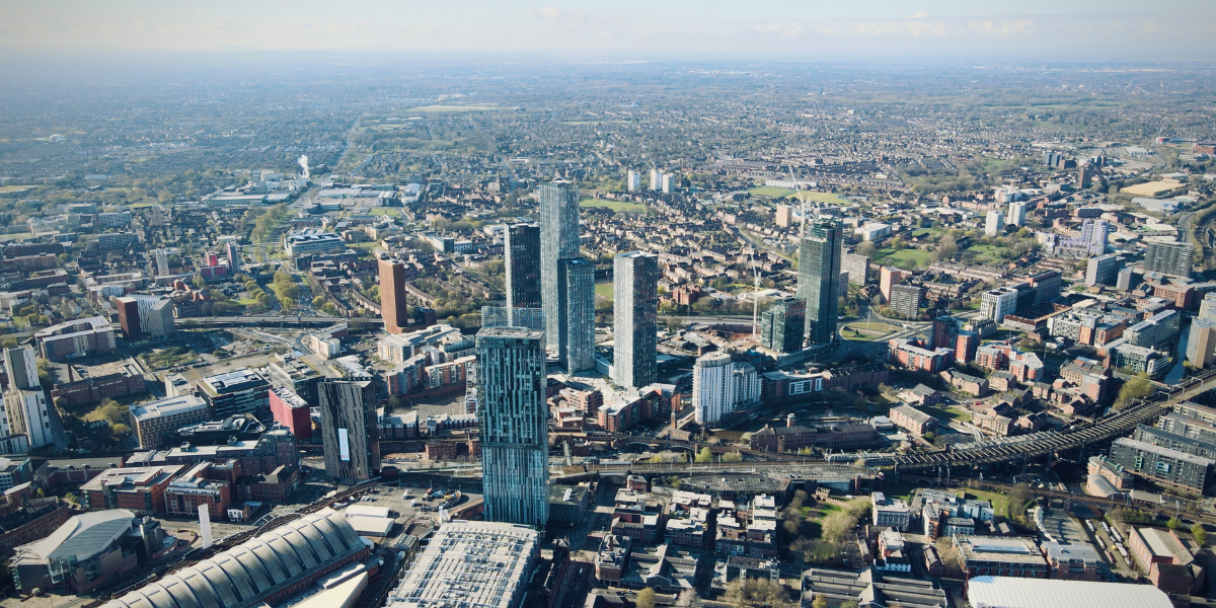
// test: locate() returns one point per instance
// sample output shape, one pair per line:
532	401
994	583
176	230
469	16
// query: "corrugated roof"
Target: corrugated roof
1008	592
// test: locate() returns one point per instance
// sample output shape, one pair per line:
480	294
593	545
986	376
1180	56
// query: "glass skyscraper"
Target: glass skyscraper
514	425
782	326
635	319
567	290
819	258
521	248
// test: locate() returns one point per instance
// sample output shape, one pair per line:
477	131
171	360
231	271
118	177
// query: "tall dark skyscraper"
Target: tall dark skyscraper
514	425
783	325
819	258
635	319
393	307
350	431
567	281
521	246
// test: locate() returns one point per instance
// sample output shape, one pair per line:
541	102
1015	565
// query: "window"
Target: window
1163	467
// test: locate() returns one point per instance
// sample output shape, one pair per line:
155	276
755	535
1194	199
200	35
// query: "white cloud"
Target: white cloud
918	15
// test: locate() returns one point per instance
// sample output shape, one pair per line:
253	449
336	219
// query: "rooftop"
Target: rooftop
167	407
1007	592
81	536
478	564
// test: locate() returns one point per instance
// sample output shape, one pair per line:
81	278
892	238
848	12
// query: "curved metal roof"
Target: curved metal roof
244	574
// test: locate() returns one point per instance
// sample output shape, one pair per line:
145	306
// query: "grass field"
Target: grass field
442	109
617	206
1152	188
822	197
604	290
904	258
771	191
987	254
867	331
15	189
946	414
389	211
15	236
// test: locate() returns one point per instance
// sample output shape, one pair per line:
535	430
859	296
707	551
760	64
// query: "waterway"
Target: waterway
1174	376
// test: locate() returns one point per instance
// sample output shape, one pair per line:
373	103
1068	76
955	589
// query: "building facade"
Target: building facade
521	249
393	302
514	425
350	432
819	259
635	319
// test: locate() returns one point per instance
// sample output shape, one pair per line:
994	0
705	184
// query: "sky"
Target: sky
793	30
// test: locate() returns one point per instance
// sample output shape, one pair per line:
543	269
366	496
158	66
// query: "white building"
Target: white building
656	179
746	385
669	183
324	346
635	181
994	224
873	231
998	302
1017	213
712	389
28	415
300	243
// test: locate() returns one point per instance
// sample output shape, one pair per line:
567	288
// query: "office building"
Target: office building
153	421
1103	270
635	181
291	372
350	433
1162	465
267	570
480	564
635	319
997	303
1207	307
782	325
1201	343
514	425
890	512
994	224
1007	556
393	303
311	241
521	250
576	315
1155	330
1173	259
871	588
819	259
905	301
145	317
87	551
77	338
242	391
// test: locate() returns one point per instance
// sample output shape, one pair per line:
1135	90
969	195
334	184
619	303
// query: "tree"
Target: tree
687	598
120	428
1173	523
318	302
705	455
747	592
1201	535
645	598
820	601
732	457
1136	388
865	248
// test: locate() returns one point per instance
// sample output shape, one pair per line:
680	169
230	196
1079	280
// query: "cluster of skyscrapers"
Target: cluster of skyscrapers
546	271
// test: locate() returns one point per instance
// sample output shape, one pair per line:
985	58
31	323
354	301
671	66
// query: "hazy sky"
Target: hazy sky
630	29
